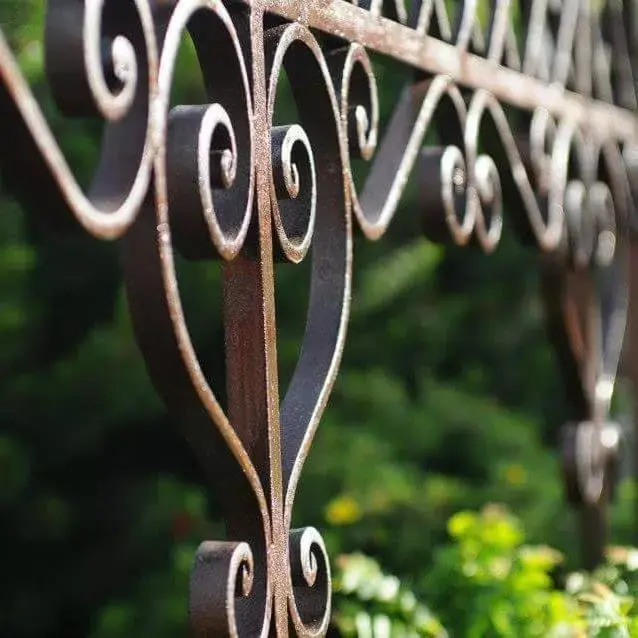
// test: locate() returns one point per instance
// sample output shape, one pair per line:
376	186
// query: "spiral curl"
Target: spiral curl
490	199
221	577
293	190
102	60
209	157
443	190
359	100
202	165
91	55
310	580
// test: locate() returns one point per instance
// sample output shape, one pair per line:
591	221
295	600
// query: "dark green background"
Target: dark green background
448	398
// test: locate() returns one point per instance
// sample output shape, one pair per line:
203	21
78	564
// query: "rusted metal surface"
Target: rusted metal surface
220	180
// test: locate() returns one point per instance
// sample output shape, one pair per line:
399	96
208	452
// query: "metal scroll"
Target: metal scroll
221	181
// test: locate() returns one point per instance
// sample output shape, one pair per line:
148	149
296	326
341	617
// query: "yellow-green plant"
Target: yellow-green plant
488	583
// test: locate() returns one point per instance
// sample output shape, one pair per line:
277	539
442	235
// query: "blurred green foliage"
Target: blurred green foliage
369	603
488	583
448	398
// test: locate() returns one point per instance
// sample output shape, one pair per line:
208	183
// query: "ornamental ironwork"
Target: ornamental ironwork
532	103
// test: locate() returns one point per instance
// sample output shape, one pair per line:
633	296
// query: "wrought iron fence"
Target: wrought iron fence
531	101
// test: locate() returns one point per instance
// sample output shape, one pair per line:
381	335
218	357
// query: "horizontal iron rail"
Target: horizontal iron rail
382	35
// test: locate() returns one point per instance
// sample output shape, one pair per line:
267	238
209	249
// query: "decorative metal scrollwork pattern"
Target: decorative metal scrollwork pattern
531	122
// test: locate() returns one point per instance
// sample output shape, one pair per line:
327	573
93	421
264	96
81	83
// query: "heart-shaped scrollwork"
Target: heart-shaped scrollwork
588	300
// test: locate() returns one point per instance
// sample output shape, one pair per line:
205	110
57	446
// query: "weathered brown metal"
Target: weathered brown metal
219	180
